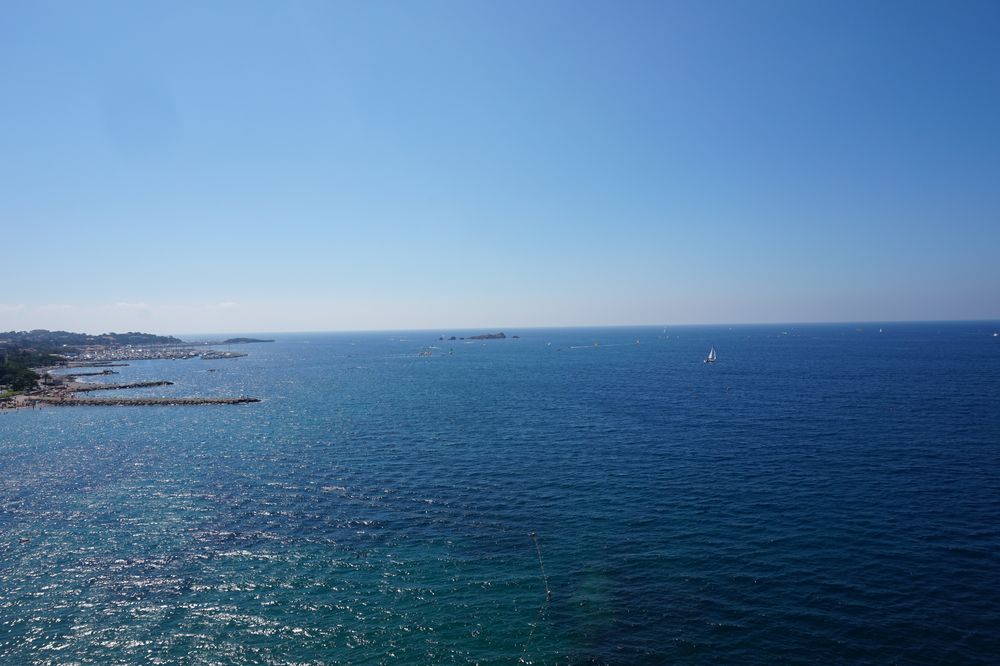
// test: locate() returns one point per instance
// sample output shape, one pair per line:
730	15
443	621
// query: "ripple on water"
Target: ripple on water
820	497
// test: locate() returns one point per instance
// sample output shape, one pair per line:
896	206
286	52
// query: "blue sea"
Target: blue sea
821	494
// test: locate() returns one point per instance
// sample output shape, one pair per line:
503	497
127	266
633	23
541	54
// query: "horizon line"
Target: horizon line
504	329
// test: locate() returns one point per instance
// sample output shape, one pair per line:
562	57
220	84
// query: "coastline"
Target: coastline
61	390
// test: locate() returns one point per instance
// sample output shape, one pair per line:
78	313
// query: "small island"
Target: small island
483	336
488	336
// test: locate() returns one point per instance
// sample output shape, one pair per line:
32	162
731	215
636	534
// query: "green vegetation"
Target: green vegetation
17	376
28	358
16	367
20	351
52	340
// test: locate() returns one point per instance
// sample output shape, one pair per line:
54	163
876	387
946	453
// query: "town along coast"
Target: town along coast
47	384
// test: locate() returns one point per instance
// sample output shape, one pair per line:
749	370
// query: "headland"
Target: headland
29	359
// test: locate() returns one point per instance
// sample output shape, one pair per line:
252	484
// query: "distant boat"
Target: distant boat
711	356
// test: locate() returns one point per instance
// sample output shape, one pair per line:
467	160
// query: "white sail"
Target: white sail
711	356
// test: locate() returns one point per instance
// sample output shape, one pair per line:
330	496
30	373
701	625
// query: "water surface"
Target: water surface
821	493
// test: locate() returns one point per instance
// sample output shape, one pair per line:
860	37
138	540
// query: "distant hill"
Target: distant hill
54	341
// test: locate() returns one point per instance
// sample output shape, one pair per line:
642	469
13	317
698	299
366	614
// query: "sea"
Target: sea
819	494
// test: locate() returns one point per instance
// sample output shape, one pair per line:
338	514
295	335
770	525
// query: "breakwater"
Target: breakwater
94	364
123	402
65	389
83	388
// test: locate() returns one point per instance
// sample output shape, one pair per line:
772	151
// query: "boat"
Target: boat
711	356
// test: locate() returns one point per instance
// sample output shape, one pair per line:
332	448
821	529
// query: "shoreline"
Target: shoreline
60	390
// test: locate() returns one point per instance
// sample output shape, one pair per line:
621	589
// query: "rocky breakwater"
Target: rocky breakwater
83	388
64	392
216	355
70	401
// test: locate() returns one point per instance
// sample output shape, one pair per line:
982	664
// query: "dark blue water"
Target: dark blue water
820	494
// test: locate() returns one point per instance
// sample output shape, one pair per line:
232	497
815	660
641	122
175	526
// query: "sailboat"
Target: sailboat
711	356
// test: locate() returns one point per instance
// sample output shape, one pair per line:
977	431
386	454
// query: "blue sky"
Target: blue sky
200	167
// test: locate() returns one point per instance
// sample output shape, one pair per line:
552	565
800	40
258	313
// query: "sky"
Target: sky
268	166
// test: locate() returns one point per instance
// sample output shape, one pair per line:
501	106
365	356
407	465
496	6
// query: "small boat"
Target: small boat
711	356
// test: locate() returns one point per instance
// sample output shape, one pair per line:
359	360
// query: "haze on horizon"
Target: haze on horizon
219	167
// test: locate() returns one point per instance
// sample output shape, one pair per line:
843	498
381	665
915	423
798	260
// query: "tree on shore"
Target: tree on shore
17	376
16	364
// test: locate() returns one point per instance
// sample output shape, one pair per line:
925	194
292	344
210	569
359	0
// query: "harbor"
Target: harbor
57	379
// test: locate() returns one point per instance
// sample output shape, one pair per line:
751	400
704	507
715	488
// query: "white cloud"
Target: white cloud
132	306
7	307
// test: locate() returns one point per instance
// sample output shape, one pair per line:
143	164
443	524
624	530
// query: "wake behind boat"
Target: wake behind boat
711	356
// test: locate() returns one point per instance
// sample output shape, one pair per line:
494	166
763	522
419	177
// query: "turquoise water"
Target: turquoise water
821	494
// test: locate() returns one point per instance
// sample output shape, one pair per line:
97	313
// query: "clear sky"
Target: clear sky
212	166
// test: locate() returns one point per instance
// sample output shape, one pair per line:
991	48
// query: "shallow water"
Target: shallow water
821	493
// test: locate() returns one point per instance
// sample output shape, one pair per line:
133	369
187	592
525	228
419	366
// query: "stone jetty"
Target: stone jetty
93	364
61	401
83	388
64	392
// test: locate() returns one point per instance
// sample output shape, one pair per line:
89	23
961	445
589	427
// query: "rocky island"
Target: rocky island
227	341
484	336
488	336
